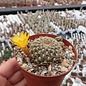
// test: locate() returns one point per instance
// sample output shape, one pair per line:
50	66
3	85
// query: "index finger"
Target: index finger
8	68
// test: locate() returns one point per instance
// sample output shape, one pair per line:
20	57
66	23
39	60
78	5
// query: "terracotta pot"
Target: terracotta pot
37	80
23	4
28	4
35	4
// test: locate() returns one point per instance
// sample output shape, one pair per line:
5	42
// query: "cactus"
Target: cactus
45	50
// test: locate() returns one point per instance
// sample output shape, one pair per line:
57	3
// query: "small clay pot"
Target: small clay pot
24	4
34	3
37	80
28	4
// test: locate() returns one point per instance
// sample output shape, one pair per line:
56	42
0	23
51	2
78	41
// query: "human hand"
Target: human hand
11	75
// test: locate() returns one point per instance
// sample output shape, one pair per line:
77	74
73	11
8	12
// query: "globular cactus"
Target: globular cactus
45	50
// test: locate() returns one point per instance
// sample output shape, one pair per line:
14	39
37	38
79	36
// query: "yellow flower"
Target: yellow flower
21	40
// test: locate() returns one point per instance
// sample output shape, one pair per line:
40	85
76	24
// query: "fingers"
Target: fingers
8	68
21	83
10	71
17	77
4	82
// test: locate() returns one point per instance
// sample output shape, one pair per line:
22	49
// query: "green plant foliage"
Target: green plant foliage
6	56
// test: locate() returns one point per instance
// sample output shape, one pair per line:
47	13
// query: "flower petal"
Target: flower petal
21	40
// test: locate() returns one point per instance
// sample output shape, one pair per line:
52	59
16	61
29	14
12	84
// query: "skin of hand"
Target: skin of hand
10	74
